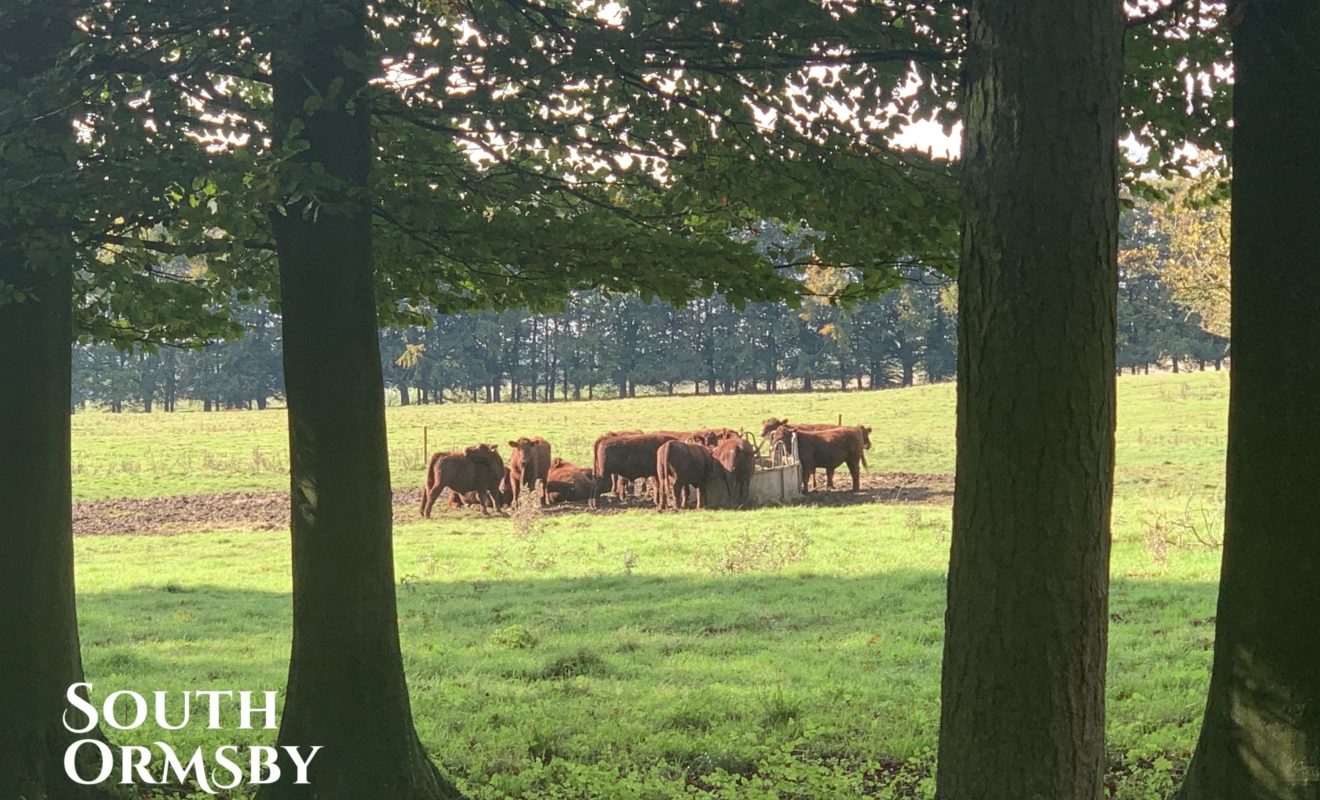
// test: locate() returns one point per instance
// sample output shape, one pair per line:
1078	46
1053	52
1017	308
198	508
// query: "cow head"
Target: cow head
866	436
522	450
770	425
487	457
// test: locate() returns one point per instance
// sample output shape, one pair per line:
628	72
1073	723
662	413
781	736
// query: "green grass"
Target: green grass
788	652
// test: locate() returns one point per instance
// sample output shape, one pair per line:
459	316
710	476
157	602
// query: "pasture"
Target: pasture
779	652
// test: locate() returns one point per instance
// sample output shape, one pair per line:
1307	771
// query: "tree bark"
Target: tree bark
1261	734
346	687
1022	715
41	656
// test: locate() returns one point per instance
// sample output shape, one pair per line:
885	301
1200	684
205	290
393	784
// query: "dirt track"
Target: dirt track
269	511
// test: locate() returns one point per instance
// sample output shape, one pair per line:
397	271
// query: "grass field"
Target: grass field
789	652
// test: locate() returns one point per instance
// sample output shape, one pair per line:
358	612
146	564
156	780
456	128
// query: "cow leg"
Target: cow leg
698	491
428	501
857	481
829	477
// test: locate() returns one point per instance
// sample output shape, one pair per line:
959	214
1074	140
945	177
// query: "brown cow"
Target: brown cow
679	465
477	469
627	458
738	458
568	482
613	482
828	449
529	463
504	492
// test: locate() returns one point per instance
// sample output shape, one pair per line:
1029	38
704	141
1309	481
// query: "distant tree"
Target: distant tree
1155	254
1197	268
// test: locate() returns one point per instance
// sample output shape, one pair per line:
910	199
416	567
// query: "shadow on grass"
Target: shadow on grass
685	681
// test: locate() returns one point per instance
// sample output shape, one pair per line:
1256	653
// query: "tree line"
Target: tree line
1172	314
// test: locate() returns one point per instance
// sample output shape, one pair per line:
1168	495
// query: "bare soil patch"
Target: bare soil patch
269	511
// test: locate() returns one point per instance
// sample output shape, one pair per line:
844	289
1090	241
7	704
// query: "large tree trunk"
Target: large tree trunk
40	657
1261	735
346	687
1022	712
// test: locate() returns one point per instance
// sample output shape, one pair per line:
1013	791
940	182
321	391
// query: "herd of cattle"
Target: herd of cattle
675	464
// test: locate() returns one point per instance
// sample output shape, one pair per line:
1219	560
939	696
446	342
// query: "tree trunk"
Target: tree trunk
171	380
403	394
1261	734
346	688
1022	703
40	657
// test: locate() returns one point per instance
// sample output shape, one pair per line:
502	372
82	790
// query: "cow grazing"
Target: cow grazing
477	470
568	482
738	458
679	465
827	449
528	464
627	458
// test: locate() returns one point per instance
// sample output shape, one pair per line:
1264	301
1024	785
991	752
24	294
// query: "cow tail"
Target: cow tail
661	481
430	469
596	464
864	464
430	480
